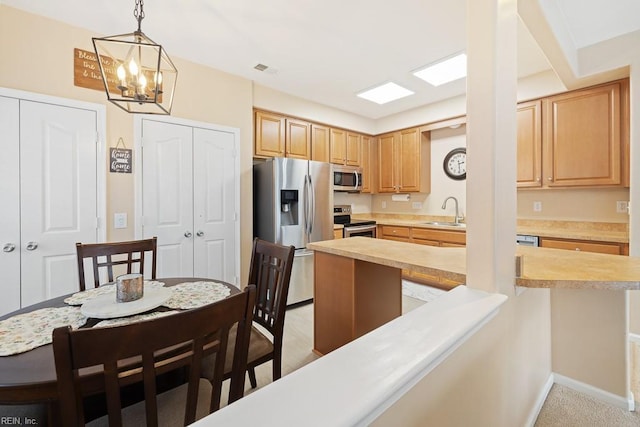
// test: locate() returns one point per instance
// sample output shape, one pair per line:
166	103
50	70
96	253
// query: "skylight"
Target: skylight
445	71
385	93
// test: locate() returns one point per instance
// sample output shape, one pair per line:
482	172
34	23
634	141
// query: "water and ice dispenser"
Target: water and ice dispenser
289	207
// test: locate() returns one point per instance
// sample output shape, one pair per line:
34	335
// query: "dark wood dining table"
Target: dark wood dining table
30	377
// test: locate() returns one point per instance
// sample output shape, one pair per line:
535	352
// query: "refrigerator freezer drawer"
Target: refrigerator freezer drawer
301	283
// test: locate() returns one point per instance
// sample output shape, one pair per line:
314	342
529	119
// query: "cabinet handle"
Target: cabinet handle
538	179
9	247
187	234
577	249
550	179
32	246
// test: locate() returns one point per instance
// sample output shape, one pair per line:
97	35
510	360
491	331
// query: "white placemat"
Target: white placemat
196	294
80	298
133	319
24	332
106	306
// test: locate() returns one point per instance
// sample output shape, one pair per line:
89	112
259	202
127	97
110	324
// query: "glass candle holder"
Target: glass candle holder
129	287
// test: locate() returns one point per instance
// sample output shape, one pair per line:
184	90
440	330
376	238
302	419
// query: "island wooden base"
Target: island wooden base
351	298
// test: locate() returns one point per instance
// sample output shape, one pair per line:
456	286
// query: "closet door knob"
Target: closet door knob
187	234
9	247
32	246
200	233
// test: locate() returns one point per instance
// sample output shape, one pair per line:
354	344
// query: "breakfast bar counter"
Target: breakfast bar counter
358	280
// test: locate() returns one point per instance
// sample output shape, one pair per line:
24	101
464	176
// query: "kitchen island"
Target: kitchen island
358	280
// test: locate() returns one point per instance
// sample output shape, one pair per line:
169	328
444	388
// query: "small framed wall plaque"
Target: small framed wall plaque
120	159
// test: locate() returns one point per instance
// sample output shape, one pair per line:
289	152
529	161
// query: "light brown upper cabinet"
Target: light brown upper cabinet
298	140
269	134
574	139
345	147
403	162
319	143
279	136
368	163
582	143
530	144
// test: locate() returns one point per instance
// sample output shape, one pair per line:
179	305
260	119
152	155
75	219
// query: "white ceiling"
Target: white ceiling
327	51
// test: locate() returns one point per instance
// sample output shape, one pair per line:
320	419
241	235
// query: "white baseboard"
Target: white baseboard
533	416
597	393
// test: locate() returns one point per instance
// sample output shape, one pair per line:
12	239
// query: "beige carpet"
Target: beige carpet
565	407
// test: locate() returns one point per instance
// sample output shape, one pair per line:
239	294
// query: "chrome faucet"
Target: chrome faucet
458	218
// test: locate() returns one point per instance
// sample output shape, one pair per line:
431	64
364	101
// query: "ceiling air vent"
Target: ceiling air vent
261	67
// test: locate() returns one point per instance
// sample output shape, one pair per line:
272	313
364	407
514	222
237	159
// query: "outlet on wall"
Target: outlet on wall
622	206
537	206
384	205
416	205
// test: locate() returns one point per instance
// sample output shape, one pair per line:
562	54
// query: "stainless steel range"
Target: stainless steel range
353	227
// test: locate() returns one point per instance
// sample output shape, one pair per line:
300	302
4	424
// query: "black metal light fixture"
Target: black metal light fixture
137	73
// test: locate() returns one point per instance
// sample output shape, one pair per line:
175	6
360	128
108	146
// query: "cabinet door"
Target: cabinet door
353	149
270	135
386	171
320	143
579	245
58	199
529	144
582	137
366	164
338	144
408	160
298	139
10	196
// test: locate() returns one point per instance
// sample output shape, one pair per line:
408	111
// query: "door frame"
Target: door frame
101	150
137	142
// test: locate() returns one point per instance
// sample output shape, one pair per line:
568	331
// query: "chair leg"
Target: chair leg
252	377
277	368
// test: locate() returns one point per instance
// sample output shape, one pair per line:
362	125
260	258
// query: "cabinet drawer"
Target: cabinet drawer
439	235
394	231
579	245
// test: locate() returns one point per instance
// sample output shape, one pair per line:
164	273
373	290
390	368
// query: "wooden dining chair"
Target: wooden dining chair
106	255
139	352
270	272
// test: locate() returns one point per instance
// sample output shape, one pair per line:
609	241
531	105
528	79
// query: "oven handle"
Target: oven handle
358	228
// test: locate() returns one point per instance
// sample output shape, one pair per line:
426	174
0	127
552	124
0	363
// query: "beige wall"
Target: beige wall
588	337
494	379
37	56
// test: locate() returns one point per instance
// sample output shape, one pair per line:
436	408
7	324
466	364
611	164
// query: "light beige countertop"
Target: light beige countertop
542	267
579	230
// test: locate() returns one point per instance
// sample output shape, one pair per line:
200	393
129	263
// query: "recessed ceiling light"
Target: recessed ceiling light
444	71
385	93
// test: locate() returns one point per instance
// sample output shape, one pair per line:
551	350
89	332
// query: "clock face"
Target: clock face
455	164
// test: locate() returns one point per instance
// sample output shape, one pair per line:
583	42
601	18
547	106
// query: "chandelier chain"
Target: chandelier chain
138	13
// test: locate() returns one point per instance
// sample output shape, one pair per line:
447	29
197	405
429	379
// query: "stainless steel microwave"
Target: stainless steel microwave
347	178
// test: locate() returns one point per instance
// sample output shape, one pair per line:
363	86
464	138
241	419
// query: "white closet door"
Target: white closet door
214	176
10	212
58	185
167	205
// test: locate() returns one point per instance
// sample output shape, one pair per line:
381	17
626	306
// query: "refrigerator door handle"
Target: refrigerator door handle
312	210
306	204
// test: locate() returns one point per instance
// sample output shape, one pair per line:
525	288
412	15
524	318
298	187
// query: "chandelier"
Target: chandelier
137	73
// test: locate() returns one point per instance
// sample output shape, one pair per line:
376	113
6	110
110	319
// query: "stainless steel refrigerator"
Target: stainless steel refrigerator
293	205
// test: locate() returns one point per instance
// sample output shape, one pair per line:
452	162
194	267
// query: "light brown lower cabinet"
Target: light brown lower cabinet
611	248
337	234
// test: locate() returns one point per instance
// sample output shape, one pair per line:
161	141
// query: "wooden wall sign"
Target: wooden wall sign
86	71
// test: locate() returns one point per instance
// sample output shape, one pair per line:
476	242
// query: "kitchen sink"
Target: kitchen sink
446	224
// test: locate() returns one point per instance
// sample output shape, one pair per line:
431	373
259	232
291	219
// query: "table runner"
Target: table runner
27	331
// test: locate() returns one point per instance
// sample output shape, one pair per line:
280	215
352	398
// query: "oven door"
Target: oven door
360	230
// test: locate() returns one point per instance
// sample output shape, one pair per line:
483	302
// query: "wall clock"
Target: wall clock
455	164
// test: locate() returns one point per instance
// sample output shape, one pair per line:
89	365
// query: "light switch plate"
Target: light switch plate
416	205
120	220
621	206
